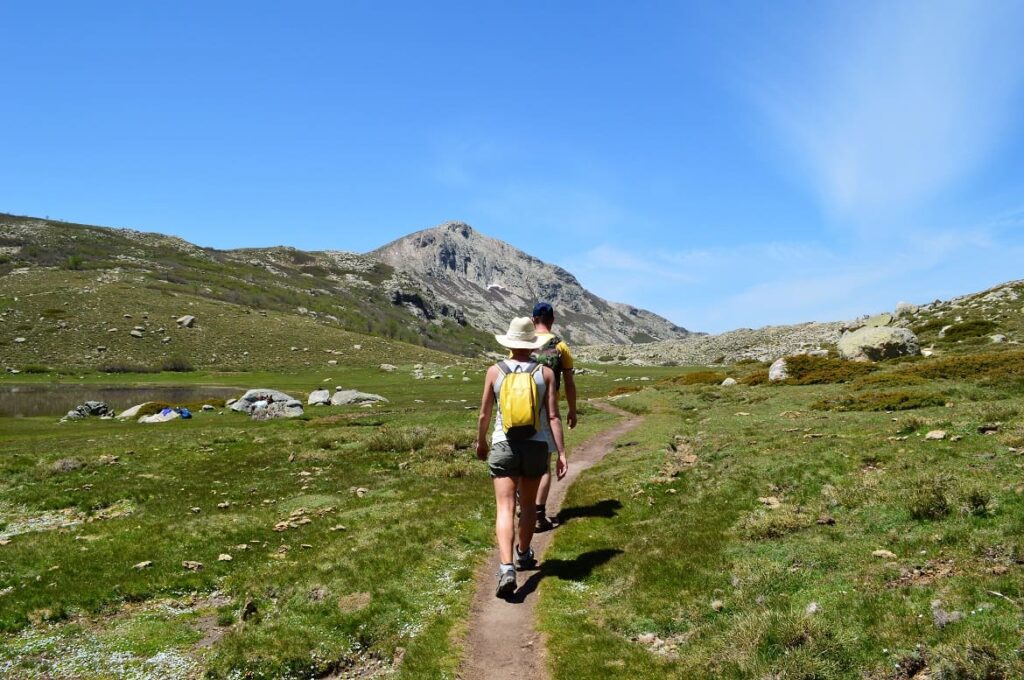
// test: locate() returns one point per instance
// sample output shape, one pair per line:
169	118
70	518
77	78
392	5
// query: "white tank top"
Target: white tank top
543	433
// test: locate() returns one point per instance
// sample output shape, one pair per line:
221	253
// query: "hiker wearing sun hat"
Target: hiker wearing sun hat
519	451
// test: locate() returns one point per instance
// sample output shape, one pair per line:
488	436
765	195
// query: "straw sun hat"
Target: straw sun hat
521	335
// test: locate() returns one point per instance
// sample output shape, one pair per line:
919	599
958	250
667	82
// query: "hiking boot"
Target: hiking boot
543	523
506	583
526	560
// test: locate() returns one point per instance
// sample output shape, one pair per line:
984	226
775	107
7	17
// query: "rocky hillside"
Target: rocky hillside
488	282
994	316
65	290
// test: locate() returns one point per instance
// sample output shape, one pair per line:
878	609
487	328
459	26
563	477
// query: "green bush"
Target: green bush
987	366
969	329
807	370
695	378
177	365
35	368
125	367
930	501
881	401
888	379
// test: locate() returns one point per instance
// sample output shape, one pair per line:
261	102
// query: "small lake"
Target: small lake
56	400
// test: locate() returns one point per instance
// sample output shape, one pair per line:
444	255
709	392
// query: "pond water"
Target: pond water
56	400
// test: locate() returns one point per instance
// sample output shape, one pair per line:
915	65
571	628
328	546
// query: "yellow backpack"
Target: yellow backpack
519	401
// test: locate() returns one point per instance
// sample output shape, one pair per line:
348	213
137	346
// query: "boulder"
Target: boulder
905	309
135	333
186	321
319	398
728	382
247	401
278	409
777	371
388	368
346	397
997	338
873	343
883	319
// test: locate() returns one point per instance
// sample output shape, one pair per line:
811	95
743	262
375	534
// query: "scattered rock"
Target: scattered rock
770	502
873	343
998	338
192	565
278	409
346	397
728	382
935	435
777	371
20	340
186	321
879	320
989	428
248	610
884	554
248	401
943	618
143	565
905	309
224	557
319	398
135	333
388	368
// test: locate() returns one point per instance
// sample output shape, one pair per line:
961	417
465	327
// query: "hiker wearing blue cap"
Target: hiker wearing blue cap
555	354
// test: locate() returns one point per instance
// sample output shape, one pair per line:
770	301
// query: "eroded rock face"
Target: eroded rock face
489	282
873	343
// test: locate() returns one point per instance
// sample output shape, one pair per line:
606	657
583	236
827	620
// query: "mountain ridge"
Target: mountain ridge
491	281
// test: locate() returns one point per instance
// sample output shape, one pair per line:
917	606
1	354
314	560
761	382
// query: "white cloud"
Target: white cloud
781	283
899	101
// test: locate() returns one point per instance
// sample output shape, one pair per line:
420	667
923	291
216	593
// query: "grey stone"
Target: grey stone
20	340
728	382
319	398
388	368
186	321
883	319
905	309
777	371
873	343
998	338
346	397
278	409
247	401
135	333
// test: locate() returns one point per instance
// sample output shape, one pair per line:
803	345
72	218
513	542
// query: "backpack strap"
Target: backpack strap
503	368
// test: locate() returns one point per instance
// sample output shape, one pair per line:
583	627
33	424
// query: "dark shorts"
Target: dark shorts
519	459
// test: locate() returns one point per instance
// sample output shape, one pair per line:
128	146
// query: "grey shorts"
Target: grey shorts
519	459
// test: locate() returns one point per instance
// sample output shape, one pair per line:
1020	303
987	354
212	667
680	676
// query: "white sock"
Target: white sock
504	568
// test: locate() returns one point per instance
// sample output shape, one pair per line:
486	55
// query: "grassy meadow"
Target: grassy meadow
339	544
804	530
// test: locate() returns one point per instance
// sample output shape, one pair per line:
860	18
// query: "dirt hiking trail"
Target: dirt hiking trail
502	641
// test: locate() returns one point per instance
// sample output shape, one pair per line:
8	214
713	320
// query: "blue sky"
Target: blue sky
725	164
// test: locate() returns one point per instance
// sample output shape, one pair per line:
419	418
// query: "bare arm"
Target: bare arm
555	420
486	407
570	396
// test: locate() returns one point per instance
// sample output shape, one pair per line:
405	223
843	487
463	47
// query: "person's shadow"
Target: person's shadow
605	508
575	569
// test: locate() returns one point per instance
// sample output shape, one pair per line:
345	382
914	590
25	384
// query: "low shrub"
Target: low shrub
35	368
1007	366
930	500
695	378
177	365
755	378
125	367
881	401
624	389
888	379
969	329
807	370
399	439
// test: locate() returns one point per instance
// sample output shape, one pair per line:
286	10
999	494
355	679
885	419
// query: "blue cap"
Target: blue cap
543	310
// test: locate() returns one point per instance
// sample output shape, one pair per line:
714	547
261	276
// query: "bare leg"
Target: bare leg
543	489
505	497
528	518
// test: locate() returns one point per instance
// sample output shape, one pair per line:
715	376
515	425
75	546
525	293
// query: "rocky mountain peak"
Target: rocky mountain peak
491	281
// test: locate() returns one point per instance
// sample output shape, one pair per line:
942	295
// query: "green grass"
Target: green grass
396	581
756	560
